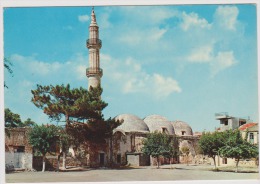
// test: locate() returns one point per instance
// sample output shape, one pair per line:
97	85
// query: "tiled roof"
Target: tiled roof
245	126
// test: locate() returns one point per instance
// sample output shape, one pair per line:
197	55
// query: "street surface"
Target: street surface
150	173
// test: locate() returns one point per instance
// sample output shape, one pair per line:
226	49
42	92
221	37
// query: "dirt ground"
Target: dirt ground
165	173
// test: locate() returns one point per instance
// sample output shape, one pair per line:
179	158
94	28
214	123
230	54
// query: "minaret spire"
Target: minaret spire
94	44
93	17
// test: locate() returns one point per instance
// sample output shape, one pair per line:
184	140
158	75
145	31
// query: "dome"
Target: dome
159	123
182	128
131	123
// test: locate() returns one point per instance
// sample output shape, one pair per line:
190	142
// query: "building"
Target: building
94	44
228	122
18	151
129	135
250	132
248	129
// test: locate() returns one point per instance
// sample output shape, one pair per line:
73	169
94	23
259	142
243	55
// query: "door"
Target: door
18	156
101	159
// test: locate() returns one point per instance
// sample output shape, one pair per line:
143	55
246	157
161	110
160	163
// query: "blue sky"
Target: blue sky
183	62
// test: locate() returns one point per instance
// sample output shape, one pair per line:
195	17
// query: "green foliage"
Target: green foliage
28	123
81	109
64	139
185	150
11	119
160	144
210	143
73	104
7	66
228	144
43	137
236	147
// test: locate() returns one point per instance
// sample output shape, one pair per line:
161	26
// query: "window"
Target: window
226	122
19	149
183	132
242	123
118	158
224	160
164	130
251	137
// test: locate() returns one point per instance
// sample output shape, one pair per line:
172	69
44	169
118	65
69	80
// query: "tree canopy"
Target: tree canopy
7	66
12	119
81	109
210	143
76	104
160	144
238	148
186	151
42	138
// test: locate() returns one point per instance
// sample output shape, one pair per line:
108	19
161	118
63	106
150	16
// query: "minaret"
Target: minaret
94	72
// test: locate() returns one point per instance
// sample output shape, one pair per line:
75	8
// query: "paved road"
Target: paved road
179	172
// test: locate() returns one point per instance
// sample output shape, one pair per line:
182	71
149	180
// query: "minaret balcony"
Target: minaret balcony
94	71
94	42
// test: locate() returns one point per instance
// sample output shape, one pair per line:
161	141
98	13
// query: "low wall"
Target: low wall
19	160
52	162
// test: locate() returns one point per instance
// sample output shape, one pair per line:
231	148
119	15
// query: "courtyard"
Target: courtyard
149	173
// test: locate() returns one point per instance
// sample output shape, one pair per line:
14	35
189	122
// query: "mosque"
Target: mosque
125	146
127	138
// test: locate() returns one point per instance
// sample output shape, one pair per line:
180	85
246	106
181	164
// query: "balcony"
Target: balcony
94	71
94	42
222	115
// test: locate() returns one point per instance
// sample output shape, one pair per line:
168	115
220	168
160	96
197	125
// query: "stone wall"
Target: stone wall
52	162
18	137
18	151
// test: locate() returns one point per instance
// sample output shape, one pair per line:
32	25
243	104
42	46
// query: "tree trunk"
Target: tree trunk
187	158
237	165
64	160
43	163
111	151
158	160
58	164
214	159
67	119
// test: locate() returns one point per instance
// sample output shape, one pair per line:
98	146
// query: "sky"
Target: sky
183	62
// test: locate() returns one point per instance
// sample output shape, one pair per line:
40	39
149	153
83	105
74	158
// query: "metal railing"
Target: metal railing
94	42
94	71
221	114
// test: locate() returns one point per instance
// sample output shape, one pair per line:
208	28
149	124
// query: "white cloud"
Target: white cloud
56	72
226	17
147	15
104	22
201	55
129	77
222	61
137	36
165	85
192	20
83	18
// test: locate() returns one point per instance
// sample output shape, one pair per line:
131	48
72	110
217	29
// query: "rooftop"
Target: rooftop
248	125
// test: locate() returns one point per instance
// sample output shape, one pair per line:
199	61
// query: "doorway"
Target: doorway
101	159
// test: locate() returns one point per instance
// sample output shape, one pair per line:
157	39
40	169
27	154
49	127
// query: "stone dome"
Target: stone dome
131	123
181	128
159	123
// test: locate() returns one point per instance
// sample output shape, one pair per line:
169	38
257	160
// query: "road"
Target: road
165	173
